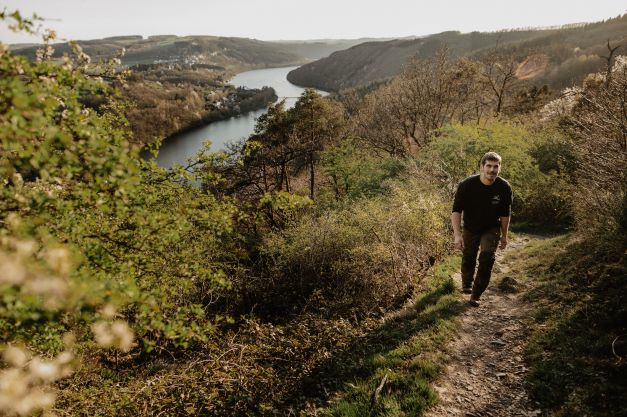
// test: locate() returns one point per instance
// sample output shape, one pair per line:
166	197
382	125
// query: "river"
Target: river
180	148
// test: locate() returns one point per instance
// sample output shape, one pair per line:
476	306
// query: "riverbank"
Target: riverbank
166	100
180	147
243	101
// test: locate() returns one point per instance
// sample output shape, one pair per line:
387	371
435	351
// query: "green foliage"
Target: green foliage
79	161
355	172
282	207
355	260
540	195
72	181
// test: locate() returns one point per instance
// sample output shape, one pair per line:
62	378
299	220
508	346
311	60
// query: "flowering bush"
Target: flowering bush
87	229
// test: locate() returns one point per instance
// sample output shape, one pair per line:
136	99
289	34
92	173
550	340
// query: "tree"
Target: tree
402	115
272	139
598	122
378	126
261	163
316	122
499	76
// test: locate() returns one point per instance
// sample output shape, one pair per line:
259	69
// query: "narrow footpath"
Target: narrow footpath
486	371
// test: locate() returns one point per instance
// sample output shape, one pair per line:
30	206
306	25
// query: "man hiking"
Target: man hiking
485	201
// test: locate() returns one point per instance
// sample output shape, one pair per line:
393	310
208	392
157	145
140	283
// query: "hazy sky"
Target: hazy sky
301	19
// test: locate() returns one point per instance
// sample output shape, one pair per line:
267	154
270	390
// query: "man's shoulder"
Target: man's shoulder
469	180
502	182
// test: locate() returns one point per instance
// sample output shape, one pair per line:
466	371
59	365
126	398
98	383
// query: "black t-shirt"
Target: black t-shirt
483	205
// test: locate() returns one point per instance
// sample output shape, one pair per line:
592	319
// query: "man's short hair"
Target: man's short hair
490	156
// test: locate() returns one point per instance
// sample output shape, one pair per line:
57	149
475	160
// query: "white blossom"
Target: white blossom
563	105
59	260
117	335
15	356
12	270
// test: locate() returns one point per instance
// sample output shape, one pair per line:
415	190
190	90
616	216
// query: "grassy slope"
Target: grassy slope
579	298
407	351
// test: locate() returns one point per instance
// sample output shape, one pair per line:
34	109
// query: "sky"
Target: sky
300	19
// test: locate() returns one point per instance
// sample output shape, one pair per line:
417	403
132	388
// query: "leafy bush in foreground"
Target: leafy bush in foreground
92	238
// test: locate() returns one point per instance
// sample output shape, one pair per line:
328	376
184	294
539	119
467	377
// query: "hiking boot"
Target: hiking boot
473	302
467	290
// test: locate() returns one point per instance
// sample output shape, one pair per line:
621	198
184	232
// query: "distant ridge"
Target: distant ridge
571	50
227	52
233	54
320	48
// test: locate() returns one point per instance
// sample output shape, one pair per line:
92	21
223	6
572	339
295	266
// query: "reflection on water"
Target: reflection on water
185	146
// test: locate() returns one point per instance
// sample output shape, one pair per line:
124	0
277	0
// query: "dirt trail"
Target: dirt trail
486	372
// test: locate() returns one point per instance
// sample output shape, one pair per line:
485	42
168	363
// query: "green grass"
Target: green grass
407	350
579	308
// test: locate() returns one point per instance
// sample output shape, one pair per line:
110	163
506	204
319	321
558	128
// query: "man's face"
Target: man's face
490	170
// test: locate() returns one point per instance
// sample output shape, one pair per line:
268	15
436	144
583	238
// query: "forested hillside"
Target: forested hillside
269	279
233	54
317	49
563	56
178	83
165	99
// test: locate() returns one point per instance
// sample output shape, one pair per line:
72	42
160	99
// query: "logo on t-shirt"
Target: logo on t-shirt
496	199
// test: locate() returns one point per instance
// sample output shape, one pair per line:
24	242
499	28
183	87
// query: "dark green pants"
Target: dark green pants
485	243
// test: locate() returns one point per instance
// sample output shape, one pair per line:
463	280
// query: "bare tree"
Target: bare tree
499	75
599	125
403	115
608	59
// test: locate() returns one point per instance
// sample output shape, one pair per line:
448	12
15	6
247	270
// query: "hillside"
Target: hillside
230	53
235	54
185	78
310	270
572	52
320	48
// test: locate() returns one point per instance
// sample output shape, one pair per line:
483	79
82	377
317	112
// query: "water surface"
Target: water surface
185	146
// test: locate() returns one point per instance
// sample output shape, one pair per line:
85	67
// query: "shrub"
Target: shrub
353	171
355	260
598	124
539	196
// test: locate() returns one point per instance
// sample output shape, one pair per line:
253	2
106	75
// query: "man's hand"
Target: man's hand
459	241
503	242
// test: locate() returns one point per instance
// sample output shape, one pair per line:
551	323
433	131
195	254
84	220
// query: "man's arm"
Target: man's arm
504	230
456	221
456	215
505	216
